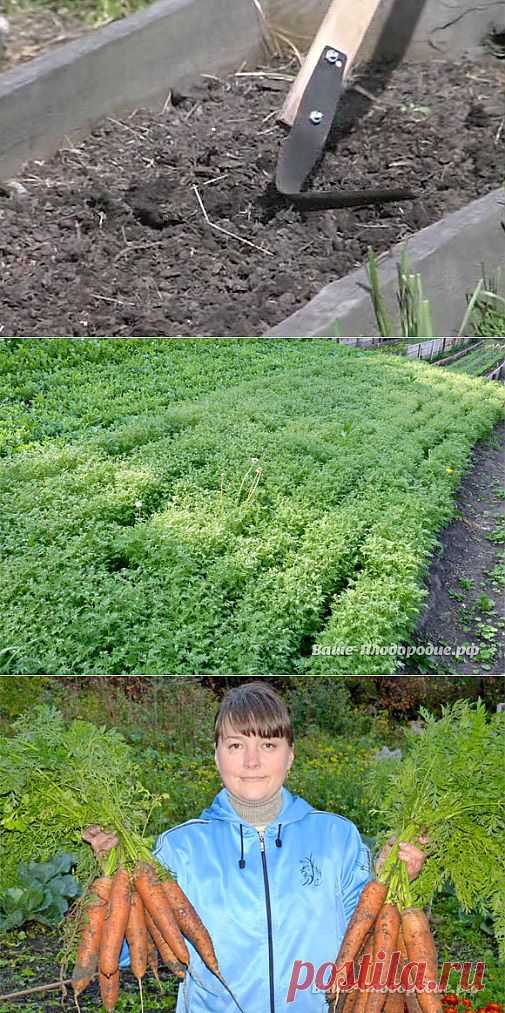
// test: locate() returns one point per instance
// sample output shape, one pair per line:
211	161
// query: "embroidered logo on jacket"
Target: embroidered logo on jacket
310	872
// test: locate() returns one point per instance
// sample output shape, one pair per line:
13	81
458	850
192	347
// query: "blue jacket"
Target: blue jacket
266	903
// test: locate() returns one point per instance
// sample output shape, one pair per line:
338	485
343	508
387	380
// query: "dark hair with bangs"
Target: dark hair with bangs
254	709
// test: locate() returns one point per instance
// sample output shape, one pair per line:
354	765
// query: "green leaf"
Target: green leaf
66	885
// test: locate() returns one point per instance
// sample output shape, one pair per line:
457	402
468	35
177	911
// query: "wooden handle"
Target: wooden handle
344	27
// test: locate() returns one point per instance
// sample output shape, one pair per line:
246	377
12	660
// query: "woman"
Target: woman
274	879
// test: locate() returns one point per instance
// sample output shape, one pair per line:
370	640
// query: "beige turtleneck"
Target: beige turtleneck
258	814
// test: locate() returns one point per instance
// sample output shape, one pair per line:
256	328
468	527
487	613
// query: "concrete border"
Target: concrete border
449	255
128	63
411	29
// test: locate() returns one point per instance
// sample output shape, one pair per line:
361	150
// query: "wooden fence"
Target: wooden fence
436	346
418	350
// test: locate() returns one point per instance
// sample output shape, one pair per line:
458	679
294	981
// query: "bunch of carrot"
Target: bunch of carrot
376	931
153	914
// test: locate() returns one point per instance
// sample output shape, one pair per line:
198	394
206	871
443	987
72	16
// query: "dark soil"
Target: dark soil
110	238
30	957
466	604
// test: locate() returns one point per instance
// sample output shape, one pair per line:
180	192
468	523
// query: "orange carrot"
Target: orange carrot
114	928
190	924
333	991
95	907
370	903
152	955
361	1001
362	970
156	903
336	1005
395	1002
109	989
402	949
349	1001
401	946
409	998
385	942
136	936
412	1003
166	953
421	949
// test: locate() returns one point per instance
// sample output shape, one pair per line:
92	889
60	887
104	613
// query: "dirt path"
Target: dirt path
115	236
467	579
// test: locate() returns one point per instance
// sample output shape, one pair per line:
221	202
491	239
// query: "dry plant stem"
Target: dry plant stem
226	232
267	34
135	246
291	45
273	37
37	988
106	298
265	75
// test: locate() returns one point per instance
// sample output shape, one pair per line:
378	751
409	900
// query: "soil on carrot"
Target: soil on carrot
466	580
30	958
114	237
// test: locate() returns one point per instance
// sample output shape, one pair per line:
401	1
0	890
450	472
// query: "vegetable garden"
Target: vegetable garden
441	775
165	221
480	360
222	506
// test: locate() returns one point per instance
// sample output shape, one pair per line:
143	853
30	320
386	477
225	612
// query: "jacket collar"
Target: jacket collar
293	808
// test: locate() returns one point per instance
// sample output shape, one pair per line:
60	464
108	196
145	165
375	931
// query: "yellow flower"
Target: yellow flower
450	471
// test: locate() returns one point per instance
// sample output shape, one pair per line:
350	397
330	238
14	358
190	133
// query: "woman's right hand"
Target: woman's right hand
102	841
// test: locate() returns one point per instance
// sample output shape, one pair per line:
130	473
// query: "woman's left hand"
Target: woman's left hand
413	856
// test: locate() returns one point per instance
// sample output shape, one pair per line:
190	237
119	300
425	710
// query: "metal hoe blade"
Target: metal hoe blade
305	143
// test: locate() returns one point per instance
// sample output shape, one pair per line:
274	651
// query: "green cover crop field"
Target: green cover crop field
481	360
214	506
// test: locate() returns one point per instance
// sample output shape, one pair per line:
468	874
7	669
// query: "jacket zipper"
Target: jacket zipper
269	922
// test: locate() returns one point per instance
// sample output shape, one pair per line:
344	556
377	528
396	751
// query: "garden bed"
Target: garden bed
111	238
481	360
223	506
31	957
